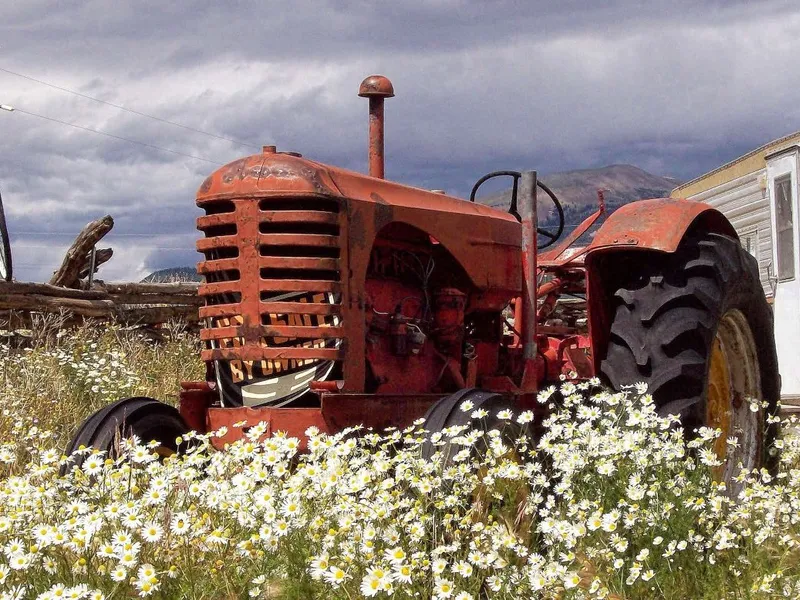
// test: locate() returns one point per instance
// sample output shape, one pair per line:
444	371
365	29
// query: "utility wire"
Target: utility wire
116	137
130	110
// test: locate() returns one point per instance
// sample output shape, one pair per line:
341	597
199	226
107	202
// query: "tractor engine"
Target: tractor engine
416	298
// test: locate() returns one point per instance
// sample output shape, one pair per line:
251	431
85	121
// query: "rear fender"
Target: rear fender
648	225
657	225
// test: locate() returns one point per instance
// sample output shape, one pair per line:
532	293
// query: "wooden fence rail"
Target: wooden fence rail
130	303
73	292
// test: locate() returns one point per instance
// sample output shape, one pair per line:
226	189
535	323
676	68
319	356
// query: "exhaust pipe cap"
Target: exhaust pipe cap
376	86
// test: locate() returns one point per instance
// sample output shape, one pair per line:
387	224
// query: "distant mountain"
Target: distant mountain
577	190
173	275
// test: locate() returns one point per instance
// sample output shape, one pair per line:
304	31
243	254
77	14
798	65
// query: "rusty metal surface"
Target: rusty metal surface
373	410
376	138
376	88
194	403
657	224
237	200
338	411
295	261
376	85
252	270
237	420
486	242
527	327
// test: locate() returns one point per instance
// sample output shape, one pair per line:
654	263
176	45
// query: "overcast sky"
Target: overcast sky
675	87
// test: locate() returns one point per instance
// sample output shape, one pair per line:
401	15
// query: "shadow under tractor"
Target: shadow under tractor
334	299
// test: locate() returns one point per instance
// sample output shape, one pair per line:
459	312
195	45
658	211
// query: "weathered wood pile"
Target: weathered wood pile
73	293
131	303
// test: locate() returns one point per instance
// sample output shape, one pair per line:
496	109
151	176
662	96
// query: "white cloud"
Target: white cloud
676	88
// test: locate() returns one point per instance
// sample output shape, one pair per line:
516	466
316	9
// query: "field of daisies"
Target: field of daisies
608	502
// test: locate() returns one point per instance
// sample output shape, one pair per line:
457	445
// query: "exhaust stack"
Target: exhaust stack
376	88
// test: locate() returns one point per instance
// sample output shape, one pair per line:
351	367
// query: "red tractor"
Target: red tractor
335	299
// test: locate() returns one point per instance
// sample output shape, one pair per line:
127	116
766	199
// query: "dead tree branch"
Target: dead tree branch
68	273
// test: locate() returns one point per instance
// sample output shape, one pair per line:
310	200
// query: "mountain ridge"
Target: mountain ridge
173	275
619	182
577	191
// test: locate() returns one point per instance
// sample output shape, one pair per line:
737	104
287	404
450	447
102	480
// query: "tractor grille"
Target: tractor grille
273	283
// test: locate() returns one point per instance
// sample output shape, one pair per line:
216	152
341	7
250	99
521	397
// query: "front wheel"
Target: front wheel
449	412
696	327
146	418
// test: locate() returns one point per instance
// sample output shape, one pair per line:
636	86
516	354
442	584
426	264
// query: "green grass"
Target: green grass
63	376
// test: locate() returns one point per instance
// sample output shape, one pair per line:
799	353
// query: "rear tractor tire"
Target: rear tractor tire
146	418
696	327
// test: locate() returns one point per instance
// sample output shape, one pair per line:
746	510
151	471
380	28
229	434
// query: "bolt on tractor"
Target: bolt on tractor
334	299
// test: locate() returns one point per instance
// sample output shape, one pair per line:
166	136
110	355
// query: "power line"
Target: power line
130	110
116	137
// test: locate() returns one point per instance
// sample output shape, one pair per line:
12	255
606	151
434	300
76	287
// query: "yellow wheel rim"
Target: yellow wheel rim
719	400
733	385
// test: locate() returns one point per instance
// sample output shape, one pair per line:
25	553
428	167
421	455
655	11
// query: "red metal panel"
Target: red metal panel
299	216
293	421
299	262
215	220
217	287
214	266
298	239
484	240
377	411
193	406
219	310
658	224
214	243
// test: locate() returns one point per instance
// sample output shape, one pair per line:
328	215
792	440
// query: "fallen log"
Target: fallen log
185	299
188	288
40	303
150	315
45	289
68	273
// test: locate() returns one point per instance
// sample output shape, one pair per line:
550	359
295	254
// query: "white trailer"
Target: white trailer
758	193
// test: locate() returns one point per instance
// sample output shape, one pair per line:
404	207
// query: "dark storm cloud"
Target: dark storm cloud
674	87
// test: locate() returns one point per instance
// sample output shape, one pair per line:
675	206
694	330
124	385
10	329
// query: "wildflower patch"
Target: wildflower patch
609	501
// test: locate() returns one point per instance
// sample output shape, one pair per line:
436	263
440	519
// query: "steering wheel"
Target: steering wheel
545	232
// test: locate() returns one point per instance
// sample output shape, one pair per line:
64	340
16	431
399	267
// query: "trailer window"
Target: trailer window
784	220
749	241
